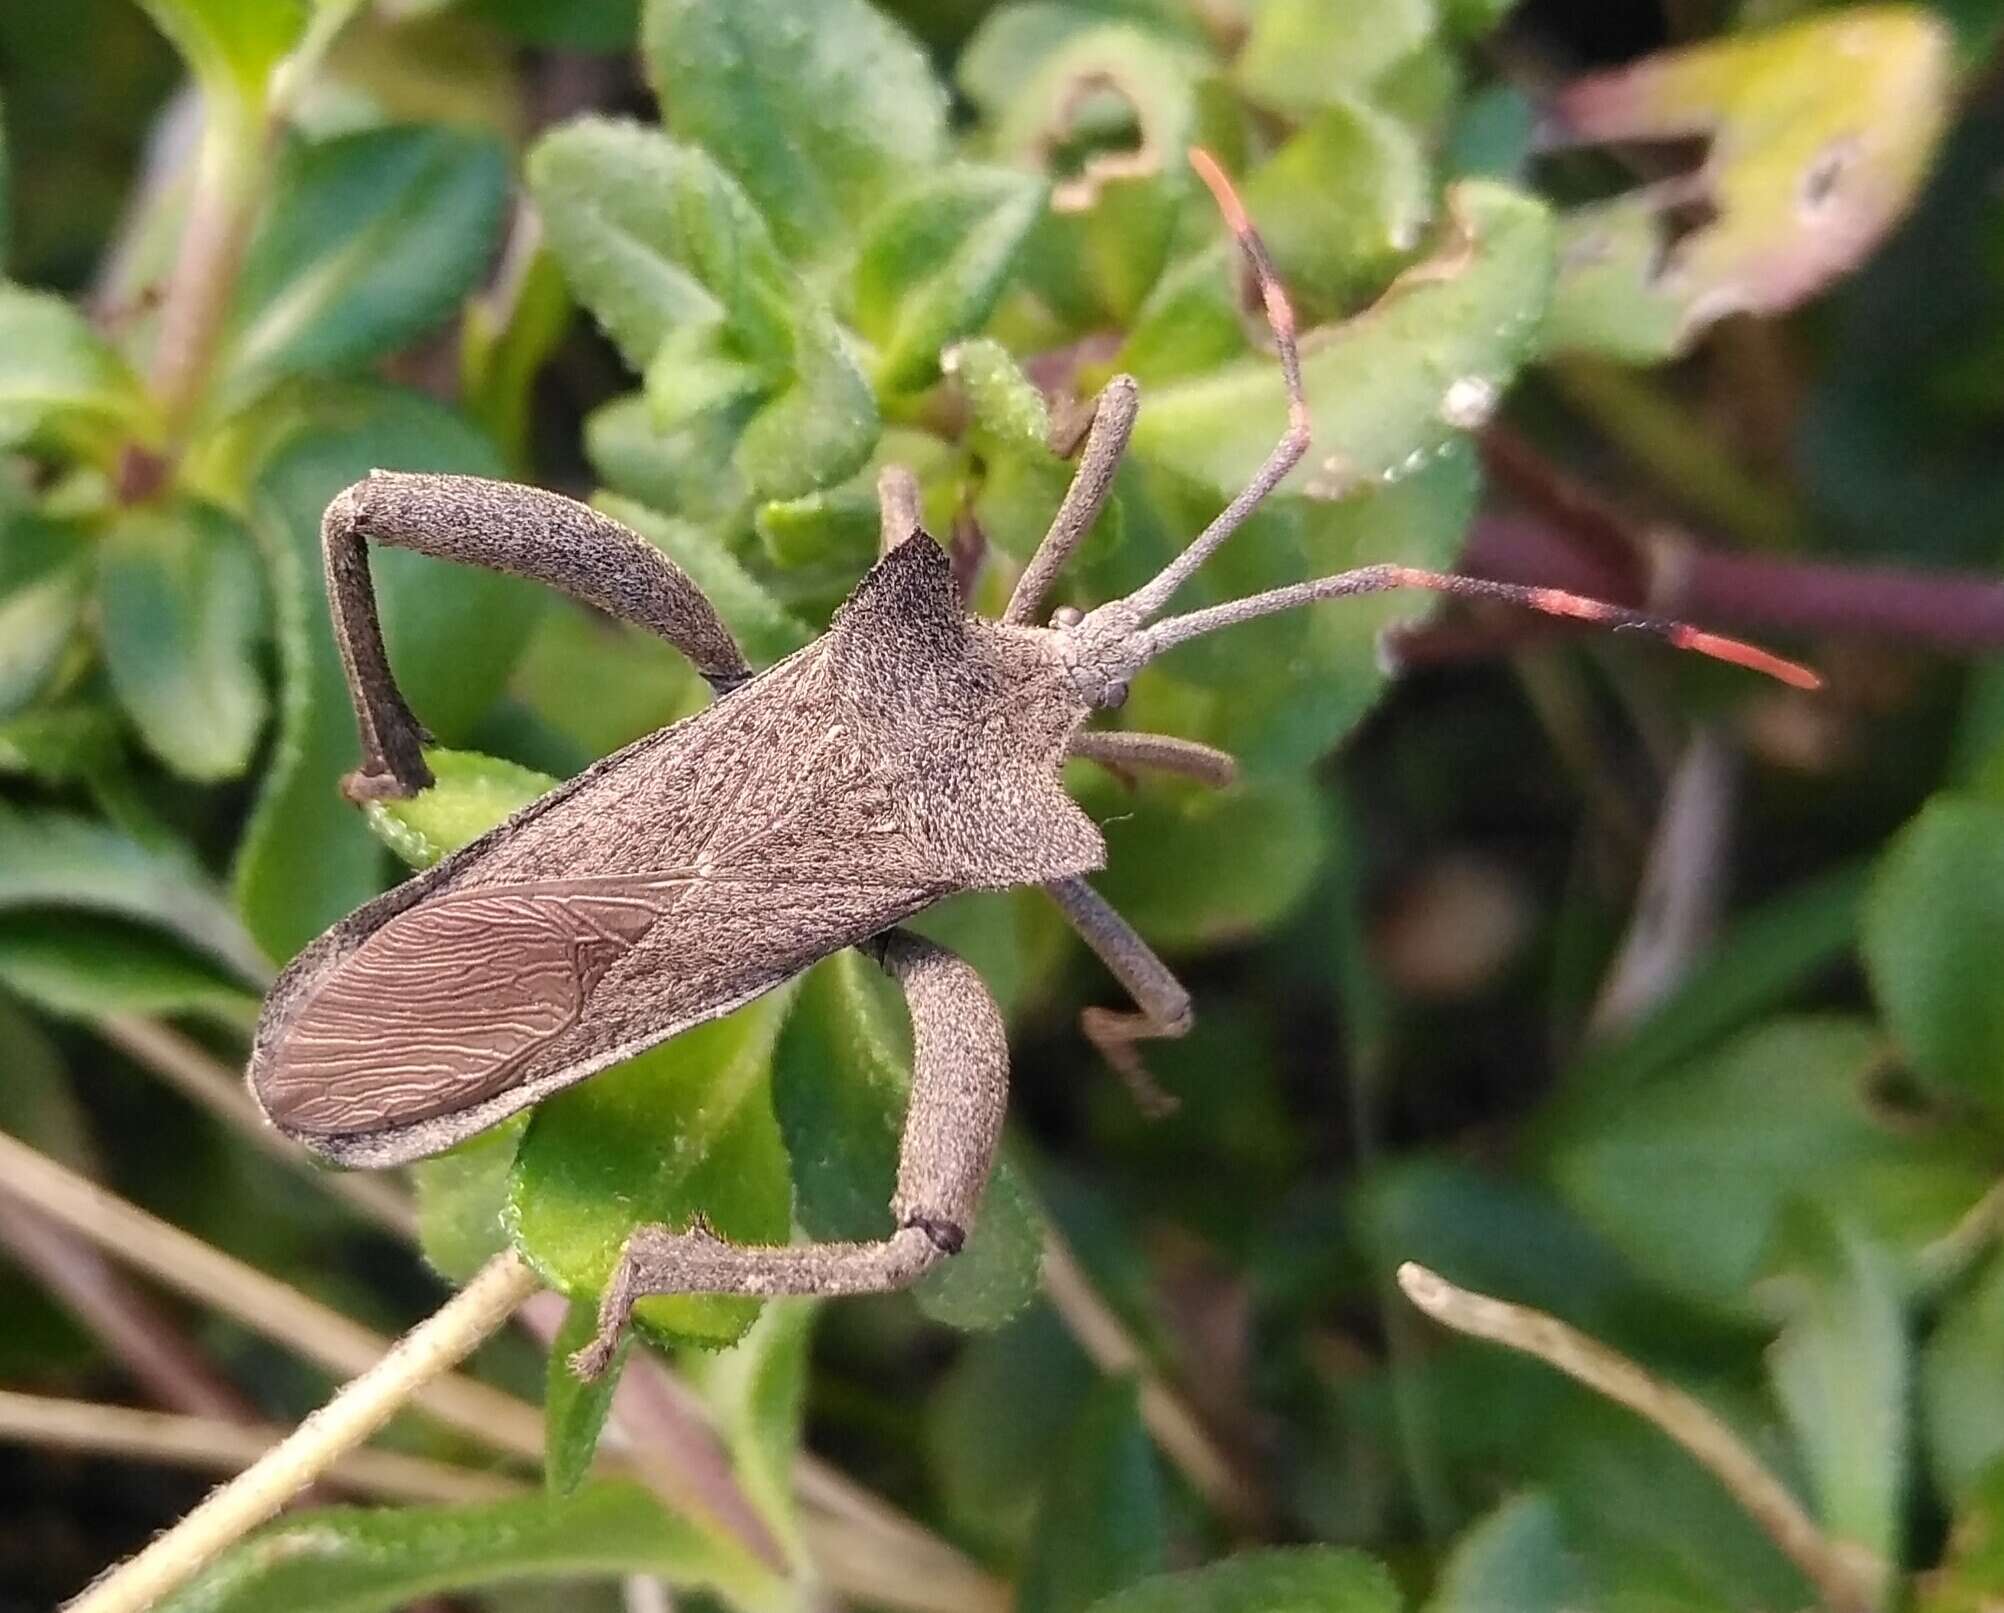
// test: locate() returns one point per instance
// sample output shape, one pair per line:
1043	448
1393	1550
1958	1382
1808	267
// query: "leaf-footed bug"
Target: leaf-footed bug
911	752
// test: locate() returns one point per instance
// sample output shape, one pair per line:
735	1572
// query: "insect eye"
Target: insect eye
1067	616
1115	696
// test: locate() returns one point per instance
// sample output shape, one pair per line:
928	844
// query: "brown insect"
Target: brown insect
912	752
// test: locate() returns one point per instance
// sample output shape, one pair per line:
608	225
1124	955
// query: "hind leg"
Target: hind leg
953	1122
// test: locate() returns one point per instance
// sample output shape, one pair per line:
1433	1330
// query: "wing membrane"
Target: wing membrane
444	1004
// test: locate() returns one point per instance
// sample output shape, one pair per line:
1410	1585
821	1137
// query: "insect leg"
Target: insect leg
1112	422
953	1121
1121	752
1164	1004
504	527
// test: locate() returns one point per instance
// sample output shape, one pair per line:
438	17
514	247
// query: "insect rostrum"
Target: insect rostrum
911	752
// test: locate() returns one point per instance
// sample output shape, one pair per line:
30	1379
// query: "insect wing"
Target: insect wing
445	1004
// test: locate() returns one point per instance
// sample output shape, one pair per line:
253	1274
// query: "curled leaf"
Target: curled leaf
1818	134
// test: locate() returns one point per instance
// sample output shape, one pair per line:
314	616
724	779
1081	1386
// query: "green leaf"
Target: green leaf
819	107
1293	1579
372	239
38	620
765	628
1391	389
1343	202
596	25
653	236
1688	1173
841	1075
307	857
663	248
181	602
1099	1524
682	470
1818	137
356	1560
1840	1369
227	44
820	427
61	744
1515	1560
935	260
461	1196
1933	927
471	794
1192	868
58	374
574	1411
55	859
1961	1398
1302	53
84	967
682	1131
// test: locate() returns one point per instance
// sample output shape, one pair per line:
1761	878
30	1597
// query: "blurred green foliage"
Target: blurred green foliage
434	235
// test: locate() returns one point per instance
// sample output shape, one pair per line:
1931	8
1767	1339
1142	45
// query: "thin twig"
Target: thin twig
361	1406
1848	1579
899	1565
199	1075
215	1444
262	1303
1175	1426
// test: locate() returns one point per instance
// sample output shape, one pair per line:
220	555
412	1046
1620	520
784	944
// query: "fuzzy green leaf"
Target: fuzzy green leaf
181	599
373	238
1934	927
682	1131
676	264
357	1560
841	1073
819	107
683	469
934	261
471	793
1391	389
653	236
461	1196
1343	202
574	1410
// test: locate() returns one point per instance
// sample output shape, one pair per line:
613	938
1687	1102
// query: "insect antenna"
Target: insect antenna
1380	579
1146	602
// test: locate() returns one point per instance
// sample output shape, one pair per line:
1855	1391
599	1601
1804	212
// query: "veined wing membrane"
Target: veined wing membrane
444	1005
